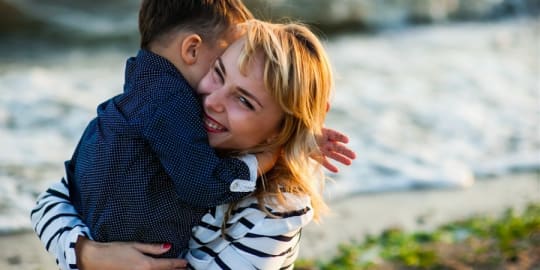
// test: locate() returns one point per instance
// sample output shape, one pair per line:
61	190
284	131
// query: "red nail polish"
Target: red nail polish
166	246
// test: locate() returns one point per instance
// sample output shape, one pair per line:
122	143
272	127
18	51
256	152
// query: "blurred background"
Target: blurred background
434	94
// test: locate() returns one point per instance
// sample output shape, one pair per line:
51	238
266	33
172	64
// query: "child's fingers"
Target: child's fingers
334	135
332	149
329	166
339	158
345	151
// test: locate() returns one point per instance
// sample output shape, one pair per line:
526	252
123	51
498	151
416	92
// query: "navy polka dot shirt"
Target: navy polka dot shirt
143	169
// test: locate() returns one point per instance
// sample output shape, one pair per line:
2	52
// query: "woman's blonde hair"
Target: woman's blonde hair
297	73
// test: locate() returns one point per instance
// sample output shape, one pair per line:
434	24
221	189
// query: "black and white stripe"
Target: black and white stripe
253	239
58	225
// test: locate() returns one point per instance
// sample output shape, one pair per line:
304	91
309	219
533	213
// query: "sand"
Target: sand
352	217
355	217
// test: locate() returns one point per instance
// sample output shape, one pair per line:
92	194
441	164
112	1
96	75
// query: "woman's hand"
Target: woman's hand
93	255
332	146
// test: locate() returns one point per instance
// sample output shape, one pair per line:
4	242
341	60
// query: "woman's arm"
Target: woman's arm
66	237
58	225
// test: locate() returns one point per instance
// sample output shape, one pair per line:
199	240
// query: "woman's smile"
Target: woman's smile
212	125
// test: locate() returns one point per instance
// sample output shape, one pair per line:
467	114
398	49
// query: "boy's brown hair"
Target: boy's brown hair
207	18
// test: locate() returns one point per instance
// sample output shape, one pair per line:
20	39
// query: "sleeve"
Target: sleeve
176	134
253	240
58	225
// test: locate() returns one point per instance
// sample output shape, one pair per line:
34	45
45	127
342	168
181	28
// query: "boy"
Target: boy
144	162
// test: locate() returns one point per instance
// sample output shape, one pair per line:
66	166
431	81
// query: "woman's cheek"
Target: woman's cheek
204	86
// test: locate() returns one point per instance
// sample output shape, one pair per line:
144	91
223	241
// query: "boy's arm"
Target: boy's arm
176	134
58	225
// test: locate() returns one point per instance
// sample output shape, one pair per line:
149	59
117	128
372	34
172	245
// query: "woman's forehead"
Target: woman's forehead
236	47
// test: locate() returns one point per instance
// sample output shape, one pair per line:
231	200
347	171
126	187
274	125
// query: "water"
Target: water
426	107
438	106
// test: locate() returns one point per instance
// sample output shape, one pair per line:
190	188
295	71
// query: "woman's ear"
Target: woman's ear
271	139
190	48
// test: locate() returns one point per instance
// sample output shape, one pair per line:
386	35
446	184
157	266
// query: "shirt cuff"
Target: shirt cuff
69	253
240	185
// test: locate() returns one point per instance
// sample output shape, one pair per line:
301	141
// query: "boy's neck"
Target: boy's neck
171	54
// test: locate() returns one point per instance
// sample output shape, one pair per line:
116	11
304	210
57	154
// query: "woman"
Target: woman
268	91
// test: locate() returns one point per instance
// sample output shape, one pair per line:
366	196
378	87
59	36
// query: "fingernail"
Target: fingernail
166	246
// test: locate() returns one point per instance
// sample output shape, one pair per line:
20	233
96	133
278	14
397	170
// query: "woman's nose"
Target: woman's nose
215	100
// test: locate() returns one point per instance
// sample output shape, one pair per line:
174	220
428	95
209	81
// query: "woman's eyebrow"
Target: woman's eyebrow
241	90
247	93
221	66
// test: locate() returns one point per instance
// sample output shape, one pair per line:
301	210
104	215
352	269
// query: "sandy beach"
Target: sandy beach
352	218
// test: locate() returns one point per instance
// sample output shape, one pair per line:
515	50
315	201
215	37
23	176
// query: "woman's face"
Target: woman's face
239	113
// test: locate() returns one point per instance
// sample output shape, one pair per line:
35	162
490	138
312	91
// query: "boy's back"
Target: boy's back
143	169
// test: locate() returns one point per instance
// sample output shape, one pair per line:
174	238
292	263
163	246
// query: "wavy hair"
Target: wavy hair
298	75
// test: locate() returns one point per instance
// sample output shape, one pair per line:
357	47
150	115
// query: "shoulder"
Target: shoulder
155	76
276	220
249	218
155	88
294	205
286	218
253	238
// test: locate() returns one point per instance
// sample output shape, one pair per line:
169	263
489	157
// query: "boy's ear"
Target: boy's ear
190	48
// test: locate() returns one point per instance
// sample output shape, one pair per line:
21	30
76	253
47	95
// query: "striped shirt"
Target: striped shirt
253	239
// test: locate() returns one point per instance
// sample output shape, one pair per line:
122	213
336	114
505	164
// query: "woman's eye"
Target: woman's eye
246	103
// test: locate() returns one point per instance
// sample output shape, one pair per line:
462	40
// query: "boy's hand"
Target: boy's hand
332	146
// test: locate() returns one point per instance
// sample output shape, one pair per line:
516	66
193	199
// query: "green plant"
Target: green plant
479	242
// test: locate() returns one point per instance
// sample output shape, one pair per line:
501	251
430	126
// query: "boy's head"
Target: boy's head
208	18
190	33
